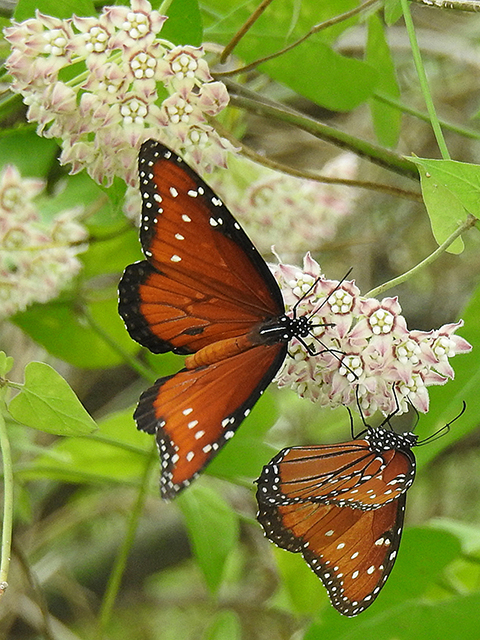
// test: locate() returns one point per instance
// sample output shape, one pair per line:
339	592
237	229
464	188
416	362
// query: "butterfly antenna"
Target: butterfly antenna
362	416
443	430
308	348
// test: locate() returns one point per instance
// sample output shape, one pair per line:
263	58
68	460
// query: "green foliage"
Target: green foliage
386	119
450	189
184	23
200	567
226	626
213	528
26	8
6	363
47	402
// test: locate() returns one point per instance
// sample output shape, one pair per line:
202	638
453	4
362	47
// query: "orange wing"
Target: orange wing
195	412
202	280
351	550
349	473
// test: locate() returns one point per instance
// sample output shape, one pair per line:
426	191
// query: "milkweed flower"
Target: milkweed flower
364	350
37	259
131	85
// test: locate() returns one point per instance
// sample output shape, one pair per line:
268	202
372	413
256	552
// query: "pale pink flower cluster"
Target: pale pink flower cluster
365	353
130	86
37	259
298	214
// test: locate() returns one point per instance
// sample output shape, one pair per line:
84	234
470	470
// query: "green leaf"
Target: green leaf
424	554
302	591
184	24
455	619
117	452
313	68
245	455
31	154
26	8
386	119
112	254
213	530
63	330
322	75
6	363
393	11
450	189
46	402
226	626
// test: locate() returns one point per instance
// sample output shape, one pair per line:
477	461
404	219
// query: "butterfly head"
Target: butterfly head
382	439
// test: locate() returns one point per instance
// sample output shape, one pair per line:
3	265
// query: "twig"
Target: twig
315	29
248	152
244	29
242	97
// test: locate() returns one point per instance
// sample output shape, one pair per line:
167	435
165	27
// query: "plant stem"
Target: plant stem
7	497
248	152
397	104
422	77
244	29
469	222
121	560
245	99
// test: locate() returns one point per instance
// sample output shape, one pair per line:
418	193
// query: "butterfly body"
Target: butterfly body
341	506
202	291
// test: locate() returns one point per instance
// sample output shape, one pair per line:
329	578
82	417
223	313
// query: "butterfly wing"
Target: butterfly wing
351	550
349	473
195	412
202	280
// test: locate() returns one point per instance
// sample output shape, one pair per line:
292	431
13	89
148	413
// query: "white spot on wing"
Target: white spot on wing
173	192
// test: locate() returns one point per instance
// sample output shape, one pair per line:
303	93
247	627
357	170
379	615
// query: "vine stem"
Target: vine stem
115	578
469	222
422	77
7	526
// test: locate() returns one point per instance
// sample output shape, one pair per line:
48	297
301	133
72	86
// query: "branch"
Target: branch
243	98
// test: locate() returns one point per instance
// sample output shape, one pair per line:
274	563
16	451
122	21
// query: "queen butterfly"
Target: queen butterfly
203	291
342	507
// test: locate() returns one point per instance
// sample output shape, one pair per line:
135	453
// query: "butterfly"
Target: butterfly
203	291
342	507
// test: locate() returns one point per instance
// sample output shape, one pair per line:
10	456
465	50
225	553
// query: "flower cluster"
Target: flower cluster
298	214
364	352
36	259
130	86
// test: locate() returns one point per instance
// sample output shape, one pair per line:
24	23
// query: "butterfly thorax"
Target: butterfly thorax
381	440
281	329
268	332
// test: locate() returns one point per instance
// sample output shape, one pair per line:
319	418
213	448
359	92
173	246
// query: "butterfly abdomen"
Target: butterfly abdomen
217	351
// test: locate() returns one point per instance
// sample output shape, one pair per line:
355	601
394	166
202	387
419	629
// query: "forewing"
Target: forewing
351	550
344	474
202	280
195	412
